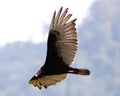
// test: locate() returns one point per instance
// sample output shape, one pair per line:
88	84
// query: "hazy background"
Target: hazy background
99	51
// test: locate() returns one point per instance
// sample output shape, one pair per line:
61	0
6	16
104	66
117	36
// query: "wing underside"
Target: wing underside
47	80
66	35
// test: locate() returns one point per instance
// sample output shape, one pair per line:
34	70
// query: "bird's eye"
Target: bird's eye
36	75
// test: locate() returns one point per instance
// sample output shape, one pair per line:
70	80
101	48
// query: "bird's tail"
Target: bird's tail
83	72
79	71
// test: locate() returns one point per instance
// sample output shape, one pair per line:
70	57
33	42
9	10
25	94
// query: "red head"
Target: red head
38	73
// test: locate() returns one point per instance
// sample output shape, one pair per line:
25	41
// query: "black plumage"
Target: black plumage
61	50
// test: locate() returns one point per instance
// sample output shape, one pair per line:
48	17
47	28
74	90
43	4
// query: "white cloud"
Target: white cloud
23	20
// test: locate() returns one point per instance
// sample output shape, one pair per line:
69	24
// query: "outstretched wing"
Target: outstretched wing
65	34
62	47
46	80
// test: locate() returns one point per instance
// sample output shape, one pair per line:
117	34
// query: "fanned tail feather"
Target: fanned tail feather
83	72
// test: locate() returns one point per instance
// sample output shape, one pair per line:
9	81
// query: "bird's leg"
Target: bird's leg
73	70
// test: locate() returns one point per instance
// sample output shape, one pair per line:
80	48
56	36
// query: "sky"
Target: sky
24	20
98	51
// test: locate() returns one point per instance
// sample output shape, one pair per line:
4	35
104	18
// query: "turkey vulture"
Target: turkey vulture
61	50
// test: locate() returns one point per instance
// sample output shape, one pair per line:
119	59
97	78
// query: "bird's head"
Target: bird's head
38	74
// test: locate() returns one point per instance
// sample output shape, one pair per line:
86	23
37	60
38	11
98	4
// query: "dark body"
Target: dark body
54	59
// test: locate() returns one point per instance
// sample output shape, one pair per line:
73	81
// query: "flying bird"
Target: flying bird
62	46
